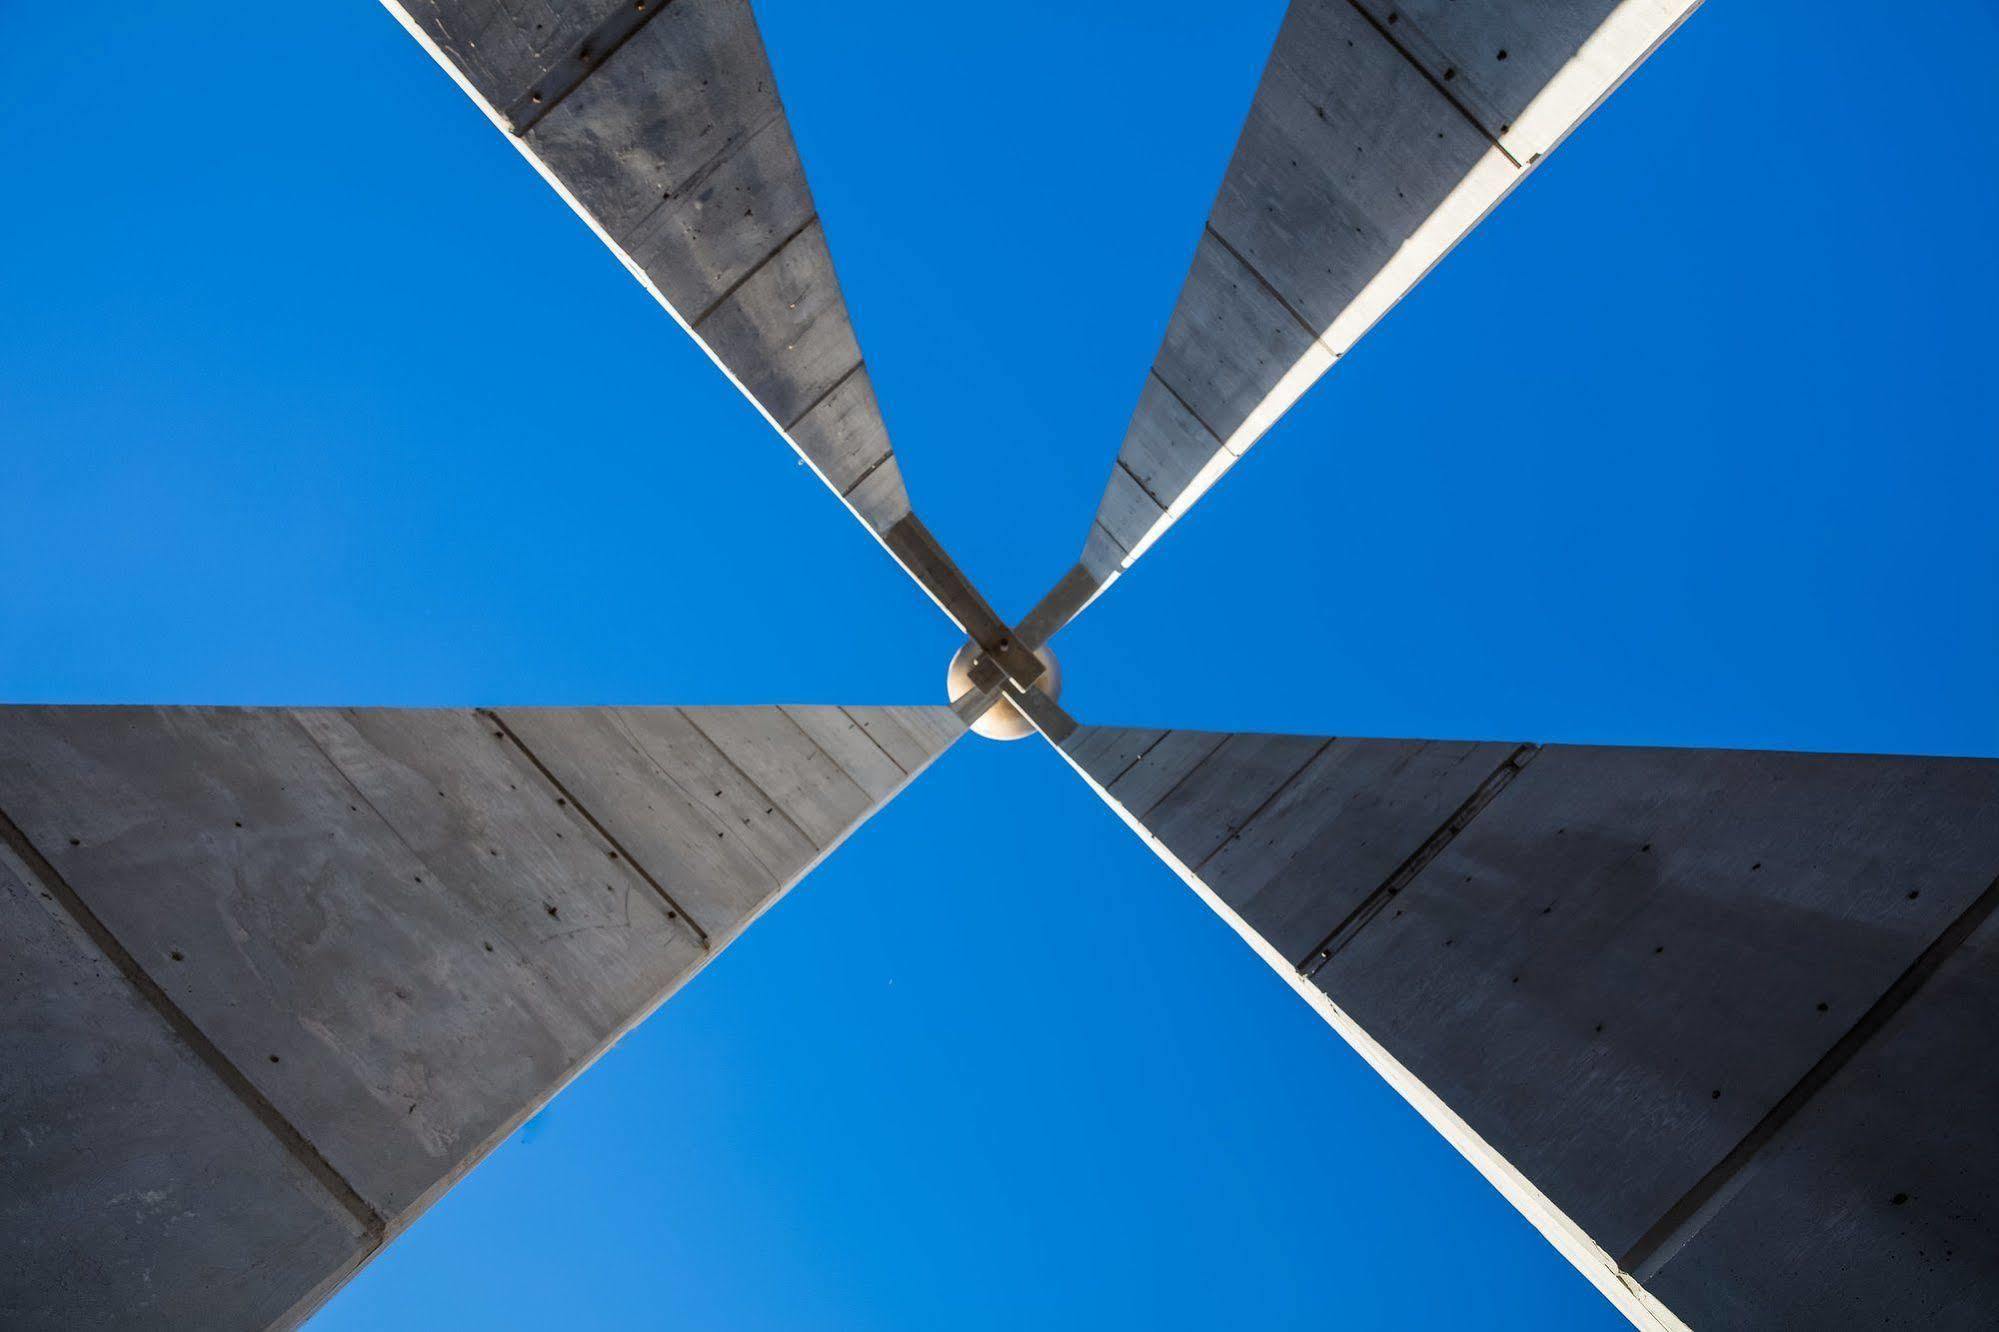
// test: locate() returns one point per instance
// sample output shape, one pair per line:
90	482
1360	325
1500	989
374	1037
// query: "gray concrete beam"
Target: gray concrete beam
503	47
661	125
1676	1004
110	1127
371	942
1891	1158
1380	135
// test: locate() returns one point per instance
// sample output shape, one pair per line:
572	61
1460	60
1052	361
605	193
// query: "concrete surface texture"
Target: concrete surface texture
1719	1016
275	979
661	125
1380	135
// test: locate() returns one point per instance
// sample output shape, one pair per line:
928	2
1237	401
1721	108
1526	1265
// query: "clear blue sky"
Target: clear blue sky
310	392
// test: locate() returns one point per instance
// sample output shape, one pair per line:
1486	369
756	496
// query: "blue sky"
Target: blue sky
310	392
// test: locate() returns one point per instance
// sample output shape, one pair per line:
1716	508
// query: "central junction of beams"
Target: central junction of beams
982	693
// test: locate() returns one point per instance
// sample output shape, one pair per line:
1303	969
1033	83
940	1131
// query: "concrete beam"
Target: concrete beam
660	125
1381	134
338	955
1712	1020
114	1127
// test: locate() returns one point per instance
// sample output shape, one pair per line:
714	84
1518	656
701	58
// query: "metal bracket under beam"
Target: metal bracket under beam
918	551
1063	603
1046	714
988	688
990	685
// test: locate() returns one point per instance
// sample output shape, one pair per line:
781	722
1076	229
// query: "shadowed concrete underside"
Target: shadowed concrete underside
660	124
274	979
1381	134
1717	1022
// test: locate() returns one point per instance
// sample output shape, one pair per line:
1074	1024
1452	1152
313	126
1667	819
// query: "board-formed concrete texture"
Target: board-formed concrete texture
660	124
1718	1022
1382	132
658	121
275	978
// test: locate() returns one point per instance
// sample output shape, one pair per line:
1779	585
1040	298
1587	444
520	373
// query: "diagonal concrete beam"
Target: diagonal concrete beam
272	980
1716	1022
1382	133
659	123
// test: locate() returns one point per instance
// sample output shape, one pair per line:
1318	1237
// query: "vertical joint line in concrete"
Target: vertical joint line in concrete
1684	1219
1269	287
838	766
866	472
1188	407
568	73
1139	481
1137	759
1268	801
771	801
1181	780
830	390
755	269
1433	81
238	1083
584	811
1370	906
726	150
685	789
1111	537
347	779
871	739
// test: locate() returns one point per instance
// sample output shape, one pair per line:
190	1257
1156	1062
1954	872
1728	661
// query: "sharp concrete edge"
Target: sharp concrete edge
382	1229
1597	1266
589	816
418	35
728	937
716	945
1227	453
35	870
1683	1220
